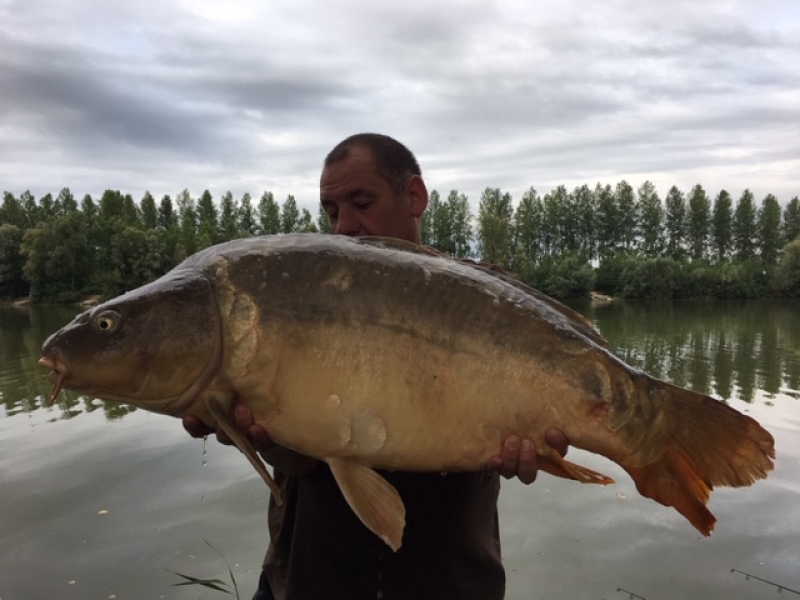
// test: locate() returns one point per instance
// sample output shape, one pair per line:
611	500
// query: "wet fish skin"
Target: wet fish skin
376	353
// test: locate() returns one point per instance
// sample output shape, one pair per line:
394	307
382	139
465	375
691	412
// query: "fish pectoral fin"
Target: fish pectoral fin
220	414
556	465
374	500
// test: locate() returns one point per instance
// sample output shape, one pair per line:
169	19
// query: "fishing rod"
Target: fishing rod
780	588
631	595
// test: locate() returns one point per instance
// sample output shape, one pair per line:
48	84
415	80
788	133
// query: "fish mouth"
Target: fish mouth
58	375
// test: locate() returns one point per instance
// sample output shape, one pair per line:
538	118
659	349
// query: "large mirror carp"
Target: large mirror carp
374	353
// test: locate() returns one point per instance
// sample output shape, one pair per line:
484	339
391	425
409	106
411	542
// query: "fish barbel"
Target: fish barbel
374	353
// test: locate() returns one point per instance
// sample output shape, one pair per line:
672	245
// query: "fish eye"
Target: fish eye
106	321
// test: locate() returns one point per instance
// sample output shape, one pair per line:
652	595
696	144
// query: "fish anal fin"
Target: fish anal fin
223	420
556	465
374	500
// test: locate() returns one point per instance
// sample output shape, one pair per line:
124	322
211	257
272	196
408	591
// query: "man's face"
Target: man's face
358	201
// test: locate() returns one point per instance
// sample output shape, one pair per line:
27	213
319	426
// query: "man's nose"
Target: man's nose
347	223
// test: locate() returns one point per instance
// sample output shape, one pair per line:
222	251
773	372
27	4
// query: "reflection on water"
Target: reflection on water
99	509
23	383
727	349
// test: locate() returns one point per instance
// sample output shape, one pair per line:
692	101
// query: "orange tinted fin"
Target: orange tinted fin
223	421
556	465
372	498
710	444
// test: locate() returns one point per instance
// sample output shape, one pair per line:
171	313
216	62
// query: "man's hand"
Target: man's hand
242	419
517	457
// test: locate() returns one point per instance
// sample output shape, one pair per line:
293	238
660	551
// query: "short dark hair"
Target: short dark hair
396	163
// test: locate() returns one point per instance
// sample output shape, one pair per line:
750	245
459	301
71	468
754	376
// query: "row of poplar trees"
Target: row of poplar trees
630	242
620	240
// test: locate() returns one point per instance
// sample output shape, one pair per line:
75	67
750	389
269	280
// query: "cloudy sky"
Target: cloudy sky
248	96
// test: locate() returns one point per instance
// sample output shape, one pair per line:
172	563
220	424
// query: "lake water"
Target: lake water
103	502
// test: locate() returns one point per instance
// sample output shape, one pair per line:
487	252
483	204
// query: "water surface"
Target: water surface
102	501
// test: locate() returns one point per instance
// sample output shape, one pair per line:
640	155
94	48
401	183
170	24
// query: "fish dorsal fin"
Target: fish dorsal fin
581	324
398	244
217	410
374	500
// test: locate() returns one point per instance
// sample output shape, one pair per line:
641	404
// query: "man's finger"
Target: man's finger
557	440
528	465
510	455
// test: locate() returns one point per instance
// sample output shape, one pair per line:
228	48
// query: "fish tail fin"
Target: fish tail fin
710	444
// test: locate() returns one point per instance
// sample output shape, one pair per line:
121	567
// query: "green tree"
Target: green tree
442	225
460	224
149	211
31	209
608	217
112	207
57	258
187	212
305	224
769	231
269	215
494	227
12	263
568	277
12	212
721	226
167	218
584	207
66	203
675	223
698	228
786	279
628	222
426	222
207	221
247	216
554	222
290	215
656	278
791	220
228	219
528	223
89	210
651	220
132	215
323	222
169	231
47	207
745	227
136	259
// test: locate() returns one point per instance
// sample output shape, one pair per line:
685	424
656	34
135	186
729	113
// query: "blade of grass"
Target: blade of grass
214	584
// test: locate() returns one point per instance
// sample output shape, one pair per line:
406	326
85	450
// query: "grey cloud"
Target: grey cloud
487	93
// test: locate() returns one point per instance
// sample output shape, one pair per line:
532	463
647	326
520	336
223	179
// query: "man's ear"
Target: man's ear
417	195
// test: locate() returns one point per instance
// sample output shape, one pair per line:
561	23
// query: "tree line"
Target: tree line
618	240
628	242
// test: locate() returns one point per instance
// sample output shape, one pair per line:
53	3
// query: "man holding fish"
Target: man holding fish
372	185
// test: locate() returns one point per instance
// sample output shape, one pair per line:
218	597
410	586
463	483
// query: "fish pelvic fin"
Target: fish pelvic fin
374	500
556	465
711	444
221	416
